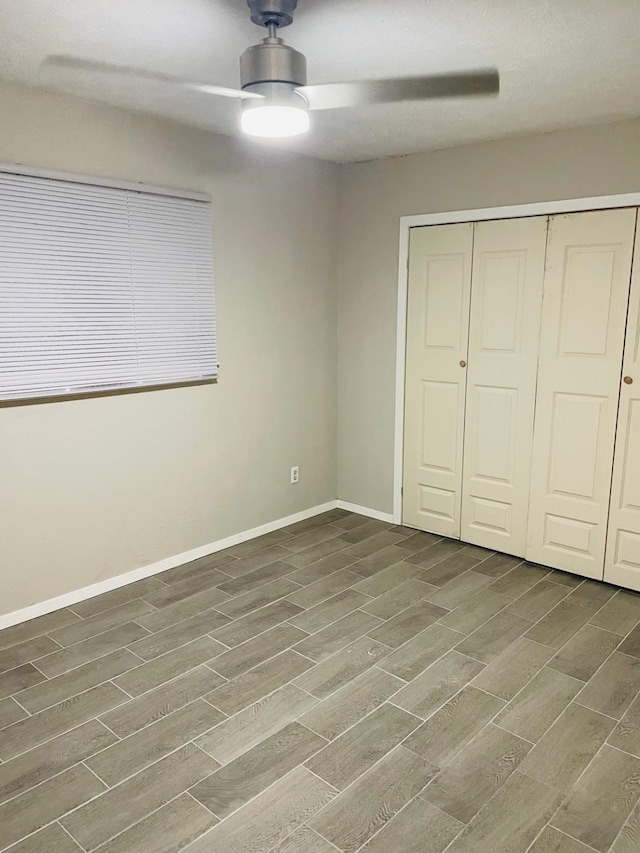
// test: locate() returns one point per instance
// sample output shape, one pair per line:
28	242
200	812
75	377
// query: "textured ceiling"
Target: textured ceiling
563	63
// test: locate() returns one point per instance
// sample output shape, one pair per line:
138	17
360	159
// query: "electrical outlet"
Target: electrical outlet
295	475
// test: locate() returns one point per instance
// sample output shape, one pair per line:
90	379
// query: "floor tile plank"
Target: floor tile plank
60	718
353	702
255	623
77	680
336	636
174	636
150	744
162	669
365	807
418	828
33	649
566	749
167	830
19	679
247	602
476	773
421	651
513	669
304	840
101	622
474	612
620	614
320	569
109	600
436	685
539	600
444	734
614	687
233	663
593	595
401	628
338	670
253	581
233	785
253	685
24	631
626	734
53	838
459	590
511	819
359	748
249	727
397	599
601	800
628	840
265	822
47	802
91	649
552	841
328	611
559	625
321	590
158	703
490	640
118	808
257	560
498	565
41	763
585	652
10	713
519	580
452	567
386	579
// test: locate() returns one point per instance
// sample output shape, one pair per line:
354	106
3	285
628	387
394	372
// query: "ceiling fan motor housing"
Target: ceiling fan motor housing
272	61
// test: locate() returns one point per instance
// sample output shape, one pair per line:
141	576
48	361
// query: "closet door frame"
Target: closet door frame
449	218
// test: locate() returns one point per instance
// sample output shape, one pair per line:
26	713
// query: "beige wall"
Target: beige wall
574	164
94	488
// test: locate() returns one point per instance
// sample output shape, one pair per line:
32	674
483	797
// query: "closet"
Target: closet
522	397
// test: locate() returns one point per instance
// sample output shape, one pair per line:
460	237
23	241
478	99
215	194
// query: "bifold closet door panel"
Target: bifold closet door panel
437	338
504	335
584	312
622	560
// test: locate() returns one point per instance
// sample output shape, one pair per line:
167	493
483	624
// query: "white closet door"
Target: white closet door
437	337
622	562
583	323
506	301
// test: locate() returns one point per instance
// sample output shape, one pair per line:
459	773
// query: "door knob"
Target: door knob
463	364
628	380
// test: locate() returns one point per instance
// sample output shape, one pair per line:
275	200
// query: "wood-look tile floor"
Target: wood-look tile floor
342	684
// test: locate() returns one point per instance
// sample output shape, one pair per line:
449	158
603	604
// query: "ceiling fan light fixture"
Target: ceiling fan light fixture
278	112
273	121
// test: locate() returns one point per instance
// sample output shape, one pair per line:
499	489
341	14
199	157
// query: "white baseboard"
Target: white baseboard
70	598
364	510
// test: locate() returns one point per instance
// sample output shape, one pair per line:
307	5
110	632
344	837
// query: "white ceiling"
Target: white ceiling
563	63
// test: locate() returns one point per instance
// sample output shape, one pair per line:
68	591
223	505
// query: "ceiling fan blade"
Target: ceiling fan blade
77	64
331	96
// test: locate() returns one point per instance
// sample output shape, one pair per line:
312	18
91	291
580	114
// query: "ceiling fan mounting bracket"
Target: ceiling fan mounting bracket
275	12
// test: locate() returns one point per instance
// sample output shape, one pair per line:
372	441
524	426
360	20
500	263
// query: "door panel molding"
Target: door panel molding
581	344
622	558
437	335
506	304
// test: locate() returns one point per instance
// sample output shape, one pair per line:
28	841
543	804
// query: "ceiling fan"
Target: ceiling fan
276	99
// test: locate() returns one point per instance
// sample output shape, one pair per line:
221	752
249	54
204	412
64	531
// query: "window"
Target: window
102	288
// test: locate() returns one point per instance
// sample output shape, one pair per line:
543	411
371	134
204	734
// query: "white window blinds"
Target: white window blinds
102	288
